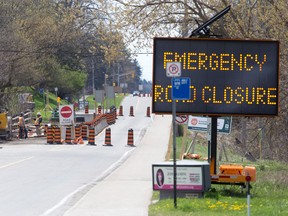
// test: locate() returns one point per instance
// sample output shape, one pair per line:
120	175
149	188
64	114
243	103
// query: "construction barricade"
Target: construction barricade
68	137
91	136
130	140
131	113
84	132
148	112
86	109
99	110
120	111
57	135
108	137
50	135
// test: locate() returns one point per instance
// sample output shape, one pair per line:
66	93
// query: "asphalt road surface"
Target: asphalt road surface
42	179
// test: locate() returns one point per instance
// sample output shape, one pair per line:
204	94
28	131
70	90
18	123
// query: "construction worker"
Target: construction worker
38	124
22	128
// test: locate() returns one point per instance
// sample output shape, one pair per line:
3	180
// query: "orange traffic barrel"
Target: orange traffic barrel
148	112
91	136
108	137
86	109
120	111
99	110
109	117
50	138
77	131
131	111
68	135
130	140
84	132
57	135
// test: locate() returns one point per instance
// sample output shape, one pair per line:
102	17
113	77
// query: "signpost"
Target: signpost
66	115
180	91
199	123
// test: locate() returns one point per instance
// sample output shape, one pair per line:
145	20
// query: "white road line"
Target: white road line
91	184
16	162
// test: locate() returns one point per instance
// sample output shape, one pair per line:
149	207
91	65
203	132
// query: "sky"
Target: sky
146	63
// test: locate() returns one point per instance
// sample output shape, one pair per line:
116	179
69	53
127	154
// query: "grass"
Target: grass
110	102
269	194
46	114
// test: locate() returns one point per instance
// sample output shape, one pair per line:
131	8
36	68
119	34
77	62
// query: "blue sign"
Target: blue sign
181	88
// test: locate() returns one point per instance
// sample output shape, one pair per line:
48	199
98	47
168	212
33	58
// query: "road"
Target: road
42	179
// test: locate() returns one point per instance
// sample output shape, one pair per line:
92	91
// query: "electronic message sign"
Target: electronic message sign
228	77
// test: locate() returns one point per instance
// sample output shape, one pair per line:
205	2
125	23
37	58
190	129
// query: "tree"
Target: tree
143	20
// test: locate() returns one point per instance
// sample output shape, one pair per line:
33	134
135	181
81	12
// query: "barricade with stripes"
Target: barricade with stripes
86	109
99	110
131	111
130	140
148	112
110	118
68	135
84	132
108	137
57	135
120	111
91	136
78	131
50	135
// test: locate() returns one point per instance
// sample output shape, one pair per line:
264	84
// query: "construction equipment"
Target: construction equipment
5	126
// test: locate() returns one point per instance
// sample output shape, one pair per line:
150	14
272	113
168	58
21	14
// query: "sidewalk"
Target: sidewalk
128	190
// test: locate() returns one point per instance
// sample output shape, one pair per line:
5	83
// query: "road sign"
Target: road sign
66	115
197	123
173	69
182	119
181	88
230	77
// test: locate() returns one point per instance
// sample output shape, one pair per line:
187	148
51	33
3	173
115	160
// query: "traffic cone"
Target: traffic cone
148	112
50	138
99	109
130	140
86	109
68	135
57	135
120	111
131	111
108	137
91	136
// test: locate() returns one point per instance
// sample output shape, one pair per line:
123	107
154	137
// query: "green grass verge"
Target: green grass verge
269	194
46	113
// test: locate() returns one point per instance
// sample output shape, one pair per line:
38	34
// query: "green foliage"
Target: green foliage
46	109
70	82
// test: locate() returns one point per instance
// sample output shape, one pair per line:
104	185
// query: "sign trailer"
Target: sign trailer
228	76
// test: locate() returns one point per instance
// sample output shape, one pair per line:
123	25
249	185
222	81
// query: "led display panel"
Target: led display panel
228	76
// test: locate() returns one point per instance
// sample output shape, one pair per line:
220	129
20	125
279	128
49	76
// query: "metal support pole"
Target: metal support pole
213	145
209	138
248	198
174	153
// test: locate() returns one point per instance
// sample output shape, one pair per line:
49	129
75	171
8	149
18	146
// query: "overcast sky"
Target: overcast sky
145	61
